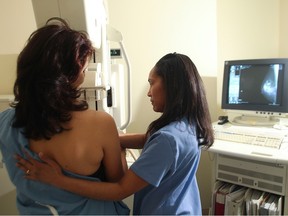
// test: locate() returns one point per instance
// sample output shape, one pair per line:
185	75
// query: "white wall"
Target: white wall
17	23
248	31
283	29
152	29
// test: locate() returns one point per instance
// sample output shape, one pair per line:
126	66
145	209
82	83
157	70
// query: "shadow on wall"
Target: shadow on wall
205	170
210	84
7	73
8	204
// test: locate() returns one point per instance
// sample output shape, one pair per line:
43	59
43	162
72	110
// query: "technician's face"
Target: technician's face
156	91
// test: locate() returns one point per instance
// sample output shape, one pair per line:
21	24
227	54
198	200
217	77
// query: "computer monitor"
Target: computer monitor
257	89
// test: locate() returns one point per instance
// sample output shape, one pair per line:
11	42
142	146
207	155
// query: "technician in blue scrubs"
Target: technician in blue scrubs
164	176
48	116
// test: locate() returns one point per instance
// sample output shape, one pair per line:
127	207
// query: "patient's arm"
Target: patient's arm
133	141
50	173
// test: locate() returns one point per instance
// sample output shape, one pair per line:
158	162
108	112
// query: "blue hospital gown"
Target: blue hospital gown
169	162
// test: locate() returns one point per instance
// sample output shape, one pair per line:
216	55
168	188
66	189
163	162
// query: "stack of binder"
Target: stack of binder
231	199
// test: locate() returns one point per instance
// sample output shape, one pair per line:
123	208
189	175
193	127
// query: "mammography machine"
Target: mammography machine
107	83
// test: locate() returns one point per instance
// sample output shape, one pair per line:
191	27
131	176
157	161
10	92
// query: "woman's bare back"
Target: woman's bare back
92	140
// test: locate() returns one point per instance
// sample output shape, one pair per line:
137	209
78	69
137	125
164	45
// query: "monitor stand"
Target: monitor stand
247	120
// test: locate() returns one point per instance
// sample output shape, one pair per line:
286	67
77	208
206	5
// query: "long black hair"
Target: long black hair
185	96
47	67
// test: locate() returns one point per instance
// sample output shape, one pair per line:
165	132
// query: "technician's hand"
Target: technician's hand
48	172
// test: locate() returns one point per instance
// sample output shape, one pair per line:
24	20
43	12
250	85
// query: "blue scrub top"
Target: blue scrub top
169	162
41	199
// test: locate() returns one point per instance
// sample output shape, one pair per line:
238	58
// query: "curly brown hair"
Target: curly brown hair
47	67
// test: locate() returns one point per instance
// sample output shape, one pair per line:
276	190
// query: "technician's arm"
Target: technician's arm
127	186
50	173
133	141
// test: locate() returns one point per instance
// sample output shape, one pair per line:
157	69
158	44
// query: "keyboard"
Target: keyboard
265	137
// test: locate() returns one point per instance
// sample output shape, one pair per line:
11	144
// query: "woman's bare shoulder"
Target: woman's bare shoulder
99	116
92	115
95	119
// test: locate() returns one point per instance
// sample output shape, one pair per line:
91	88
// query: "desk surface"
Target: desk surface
252	152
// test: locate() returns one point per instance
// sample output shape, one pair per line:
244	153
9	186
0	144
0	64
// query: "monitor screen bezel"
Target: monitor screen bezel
282	108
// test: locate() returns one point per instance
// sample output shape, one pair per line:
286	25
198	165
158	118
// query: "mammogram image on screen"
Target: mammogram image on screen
255	84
